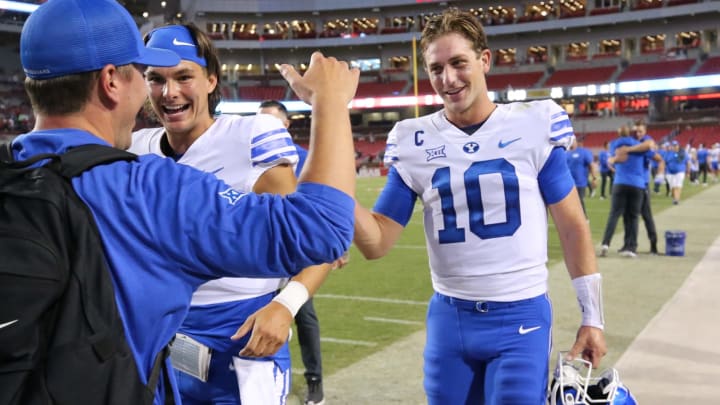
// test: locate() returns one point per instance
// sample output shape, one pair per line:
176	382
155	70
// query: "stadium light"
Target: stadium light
640	86
18	6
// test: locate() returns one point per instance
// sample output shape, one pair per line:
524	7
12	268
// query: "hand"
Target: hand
341	262
325	76
270	330
590	344
621	154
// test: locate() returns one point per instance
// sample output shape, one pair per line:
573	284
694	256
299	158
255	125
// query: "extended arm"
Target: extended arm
271	324
375	234
577	246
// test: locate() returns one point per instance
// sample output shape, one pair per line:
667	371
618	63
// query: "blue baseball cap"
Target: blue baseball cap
176	38
64	37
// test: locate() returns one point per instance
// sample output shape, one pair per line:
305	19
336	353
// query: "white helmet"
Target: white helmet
571	386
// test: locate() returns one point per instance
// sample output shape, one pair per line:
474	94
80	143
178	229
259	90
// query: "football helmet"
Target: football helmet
573	385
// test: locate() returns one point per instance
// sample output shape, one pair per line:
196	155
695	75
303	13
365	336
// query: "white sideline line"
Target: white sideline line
388	320
369	299
409	246
348	342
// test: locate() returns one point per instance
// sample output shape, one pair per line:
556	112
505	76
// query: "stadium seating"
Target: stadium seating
258	93
710	66
656	70
522	80
571	77
377	89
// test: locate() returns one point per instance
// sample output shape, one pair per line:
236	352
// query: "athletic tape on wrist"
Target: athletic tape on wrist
293	296
589	295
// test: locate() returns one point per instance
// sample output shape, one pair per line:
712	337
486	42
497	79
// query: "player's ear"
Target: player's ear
212	82
485	57
108	85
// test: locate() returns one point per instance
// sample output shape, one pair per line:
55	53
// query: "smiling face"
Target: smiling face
457	74
179	97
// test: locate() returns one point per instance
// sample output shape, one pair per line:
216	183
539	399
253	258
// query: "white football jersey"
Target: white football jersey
237	150
485	218
714	154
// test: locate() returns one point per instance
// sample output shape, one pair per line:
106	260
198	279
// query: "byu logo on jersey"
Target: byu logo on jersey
435	153
231	195
471	147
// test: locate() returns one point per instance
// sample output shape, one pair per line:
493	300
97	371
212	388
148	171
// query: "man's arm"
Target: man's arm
574	233
271	324
375	234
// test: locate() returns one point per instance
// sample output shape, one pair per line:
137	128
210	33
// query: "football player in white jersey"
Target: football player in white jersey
486	174
250	154
714	156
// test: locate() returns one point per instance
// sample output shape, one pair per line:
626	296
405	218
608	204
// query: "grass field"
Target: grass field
369	304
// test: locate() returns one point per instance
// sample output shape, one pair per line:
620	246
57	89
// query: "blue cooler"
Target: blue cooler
674	243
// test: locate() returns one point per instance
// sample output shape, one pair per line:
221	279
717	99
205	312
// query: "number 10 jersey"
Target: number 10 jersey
484	196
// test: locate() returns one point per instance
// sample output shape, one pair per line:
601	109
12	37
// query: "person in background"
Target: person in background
714	157
579	161
703	163
306	320
168	228
678	165
606	172
650	159
692	155
628	189
487	175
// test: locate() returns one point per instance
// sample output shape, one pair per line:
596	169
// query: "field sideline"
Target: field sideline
369	305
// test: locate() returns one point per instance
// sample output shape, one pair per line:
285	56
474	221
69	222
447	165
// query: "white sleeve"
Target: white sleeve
561	131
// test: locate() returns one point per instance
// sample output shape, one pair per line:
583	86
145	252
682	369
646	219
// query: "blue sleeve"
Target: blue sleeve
555	180
397	200
210	230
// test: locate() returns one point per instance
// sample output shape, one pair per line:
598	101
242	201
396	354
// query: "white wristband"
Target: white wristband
293	296
589	295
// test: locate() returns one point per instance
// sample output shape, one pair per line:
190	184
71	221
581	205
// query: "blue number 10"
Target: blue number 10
451	233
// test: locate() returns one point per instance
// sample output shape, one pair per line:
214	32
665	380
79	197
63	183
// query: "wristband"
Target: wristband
293	296
589	295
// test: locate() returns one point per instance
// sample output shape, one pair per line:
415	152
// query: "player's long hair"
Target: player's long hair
454	20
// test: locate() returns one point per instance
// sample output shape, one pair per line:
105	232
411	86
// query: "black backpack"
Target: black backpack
61	337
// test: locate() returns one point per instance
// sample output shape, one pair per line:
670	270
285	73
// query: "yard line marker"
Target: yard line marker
348	342
409	246
389	320
370	299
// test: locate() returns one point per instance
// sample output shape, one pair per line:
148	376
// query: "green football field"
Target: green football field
368	305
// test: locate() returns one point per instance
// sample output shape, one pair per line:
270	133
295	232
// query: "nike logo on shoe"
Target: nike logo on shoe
502	144
181	43
524	331
6	324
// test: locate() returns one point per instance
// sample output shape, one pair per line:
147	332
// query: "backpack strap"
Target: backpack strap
159	370
79	159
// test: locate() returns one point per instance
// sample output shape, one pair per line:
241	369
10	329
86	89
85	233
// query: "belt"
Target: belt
484	306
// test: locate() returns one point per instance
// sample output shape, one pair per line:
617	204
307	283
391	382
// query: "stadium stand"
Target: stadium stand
575	76
259	93
522	80
656	70
710	66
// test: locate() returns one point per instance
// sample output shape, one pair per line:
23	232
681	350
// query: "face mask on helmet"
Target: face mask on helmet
573	385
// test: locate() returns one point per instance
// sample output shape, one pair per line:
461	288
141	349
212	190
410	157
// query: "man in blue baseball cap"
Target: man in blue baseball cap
167	228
